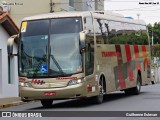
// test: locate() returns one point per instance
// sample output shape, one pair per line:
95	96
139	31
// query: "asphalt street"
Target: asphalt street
148	100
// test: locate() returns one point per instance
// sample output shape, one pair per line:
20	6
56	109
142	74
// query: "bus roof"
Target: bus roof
97	14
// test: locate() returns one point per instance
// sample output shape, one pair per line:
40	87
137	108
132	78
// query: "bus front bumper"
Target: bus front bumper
73	91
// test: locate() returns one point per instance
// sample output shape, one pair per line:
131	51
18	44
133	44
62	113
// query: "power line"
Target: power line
92	1
129	1
133	8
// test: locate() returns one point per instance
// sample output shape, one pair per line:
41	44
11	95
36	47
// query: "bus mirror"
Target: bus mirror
10	44
82	35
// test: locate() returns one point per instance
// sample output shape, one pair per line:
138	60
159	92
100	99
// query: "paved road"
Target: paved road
148	100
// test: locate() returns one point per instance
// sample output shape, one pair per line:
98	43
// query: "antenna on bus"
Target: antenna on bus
51	6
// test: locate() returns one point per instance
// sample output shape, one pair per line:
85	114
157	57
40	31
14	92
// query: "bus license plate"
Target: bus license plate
49	93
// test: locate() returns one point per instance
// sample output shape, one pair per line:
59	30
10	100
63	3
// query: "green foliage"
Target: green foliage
156	50
131	38
156	32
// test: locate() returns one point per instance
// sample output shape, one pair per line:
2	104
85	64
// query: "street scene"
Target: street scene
80	58
148	100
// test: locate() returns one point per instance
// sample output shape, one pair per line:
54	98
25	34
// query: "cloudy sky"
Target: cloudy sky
148	10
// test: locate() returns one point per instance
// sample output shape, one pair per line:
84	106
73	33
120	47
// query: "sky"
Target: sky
150	12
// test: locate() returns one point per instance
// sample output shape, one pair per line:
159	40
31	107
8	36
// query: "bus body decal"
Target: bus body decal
144	50
130	73
110	54
120	68
121	79
129	58
145	61
136	52
128	53
119	57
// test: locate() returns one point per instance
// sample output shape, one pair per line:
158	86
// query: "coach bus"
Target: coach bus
81	55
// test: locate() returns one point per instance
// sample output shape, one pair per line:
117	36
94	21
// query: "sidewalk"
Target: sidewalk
8	102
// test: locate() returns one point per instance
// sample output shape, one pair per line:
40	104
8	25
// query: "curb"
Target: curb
11	104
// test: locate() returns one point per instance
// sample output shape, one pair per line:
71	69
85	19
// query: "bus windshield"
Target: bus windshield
50	48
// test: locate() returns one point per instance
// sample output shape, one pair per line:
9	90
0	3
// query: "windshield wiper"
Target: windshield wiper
58	66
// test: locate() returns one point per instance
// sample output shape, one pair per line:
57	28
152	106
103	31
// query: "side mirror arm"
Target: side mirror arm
10	43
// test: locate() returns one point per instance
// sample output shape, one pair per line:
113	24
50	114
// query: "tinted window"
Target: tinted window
99	30
135	34
67	25
33	28
116	33
89	54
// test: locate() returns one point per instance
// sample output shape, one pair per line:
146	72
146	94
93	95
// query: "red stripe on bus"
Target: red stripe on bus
143	49
130	74
119	57
121	80
128	53
145	63
129	58
136	51
138	66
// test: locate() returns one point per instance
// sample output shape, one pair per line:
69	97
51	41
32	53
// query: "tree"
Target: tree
156	32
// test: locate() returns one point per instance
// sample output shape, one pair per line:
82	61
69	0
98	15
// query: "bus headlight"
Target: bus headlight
77	81
25	84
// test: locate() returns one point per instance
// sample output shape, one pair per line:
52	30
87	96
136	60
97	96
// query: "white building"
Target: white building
8	65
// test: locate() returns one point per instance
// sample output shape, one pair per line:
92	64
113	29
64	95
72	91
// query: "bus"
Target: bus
81	55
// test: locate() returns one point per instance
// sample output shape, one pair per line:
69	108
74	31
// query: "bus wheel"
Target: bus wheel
152	82
136	90
46	103
99	99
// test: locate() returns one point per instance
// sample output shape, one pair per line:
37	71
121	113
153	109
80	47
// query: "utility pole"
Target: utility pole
152	37
138	15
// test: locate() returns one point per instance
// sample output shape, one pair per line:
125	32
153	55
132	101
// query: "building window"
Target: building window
10	70
71	3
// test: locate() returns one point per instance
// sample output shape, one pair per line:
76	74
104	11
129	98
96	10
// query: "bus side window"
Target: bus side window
129	32
136	34
116	33
144	35
98	23
89	58
89	54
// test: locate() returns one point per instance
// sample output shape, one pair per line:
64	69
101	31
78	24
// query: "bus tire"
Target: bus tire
135	90
46	103
99	99
152	82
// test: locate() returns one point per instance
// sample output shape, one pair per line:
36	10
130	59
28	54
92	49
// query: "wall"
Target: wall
7	90
33	7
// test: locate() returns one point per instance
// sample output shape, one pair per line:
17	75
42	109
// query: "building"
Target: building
18	9
8	65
